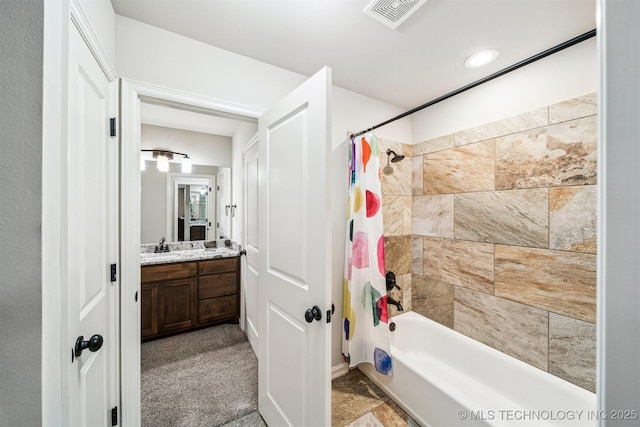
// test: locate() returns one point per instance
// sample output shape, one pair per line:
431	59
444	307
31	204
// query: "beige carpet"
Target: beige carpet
203	378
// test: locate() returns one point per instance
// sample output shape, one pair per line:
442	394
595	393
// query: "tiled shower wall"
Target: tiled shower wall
503	235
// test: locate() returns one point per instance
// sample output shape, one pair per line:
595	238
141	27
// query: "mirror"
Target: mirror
168	196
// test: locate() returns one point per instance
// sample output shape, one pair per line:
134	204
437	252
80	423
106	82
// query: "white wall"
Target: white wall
568	74
202	148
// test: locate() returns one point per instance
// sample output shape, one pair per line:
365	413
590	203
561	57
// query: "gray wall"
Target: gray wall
21	44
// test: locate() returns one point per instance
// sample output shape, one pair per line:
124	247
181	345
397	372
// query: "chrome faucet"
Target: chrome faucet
162	246
394	302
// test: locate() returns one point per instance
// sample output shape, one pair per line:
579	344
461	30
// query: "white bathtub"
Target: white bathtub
444	379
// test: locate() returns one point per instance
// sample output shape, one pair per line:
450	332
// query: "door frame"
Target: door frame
132	93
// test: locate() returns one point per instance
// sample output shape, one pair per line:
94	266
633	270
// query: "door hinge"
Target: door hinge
114	416
112	126
114	273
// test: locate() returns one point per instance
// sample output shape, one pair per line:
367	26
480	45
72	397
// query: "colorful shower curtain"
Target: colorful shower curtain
365	335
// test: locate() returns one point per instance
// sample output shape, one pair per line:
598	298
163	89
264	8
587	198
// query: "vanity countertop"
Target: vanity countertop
187	255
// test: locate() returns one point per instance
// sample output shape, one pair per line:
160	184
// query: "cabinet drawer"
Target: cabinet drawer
154	273
218	285
216	266
217	308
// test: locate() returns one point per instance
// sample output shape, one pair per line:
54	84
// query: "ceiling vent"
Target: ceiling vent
392	13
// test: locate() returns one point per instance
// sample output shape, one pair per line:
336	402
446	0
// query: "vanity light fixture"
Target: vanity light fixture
481	58
163	157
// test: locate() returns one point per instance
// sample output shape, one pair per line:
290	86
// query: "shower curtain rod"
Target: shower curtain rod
490	77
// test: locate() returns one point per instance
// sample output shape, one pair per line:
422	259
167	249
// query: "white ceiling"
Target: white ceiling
419	61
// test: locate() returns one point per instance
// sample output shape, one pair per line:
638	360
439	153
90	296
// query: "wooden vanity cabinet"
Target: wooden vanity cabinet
219	290
183	296
169	300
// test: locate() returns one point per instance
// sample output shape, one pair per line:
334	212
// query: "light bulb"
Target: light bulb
163	163
186	164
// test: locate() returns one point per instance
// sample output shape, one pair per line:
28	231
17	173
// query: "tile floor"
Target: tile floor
355	402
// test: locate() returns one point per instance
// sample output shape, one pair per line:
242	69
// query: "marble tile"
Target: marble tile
390	414
572	350
399	182
558	281
517	217
417	175
352	396
436	144
432	215
407	291
460	169
416	254
458	262
530	120
573	218
367	420
516	329
433	299
575	108
396	215
397	254
557	155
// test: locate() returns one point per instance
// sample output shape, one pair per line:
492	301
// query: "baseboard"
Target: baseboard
339	370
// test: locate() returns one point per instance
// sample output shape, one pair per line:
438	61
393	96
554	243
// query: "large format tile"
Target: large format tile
399	182
574	108
458	262
572	350
416	254
529	120
432	145
433	299
516	329
432	215
557	155
517	217
390	414
396	254
417	174
352	396
460	169
558	281
396	215
573	218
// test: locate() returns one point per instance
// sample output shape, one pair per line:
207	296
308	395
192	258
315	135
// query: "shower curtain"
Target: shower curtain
365	335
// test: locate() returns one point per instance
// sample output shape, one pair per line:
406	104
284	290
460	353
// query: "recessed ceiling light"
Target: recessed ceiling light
481	58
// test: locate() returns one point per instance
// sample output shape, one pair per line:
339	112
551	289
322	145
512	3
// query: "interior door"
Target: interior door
89	241
294	261
250	244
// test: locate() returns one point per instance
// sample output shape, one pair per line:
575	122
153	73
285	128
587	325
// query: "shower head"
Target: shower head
396	157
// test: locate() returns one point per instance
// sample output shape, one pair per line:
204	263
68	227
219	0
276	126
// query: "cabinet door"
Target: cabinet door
177	304
149	309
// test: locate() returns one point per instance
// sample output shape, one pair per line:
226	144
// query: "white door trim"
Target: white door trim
243	220
132	93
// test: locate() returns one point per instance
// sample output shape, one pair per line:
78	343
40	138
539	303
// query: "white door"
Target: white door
250	244
89	242
294	232
225	210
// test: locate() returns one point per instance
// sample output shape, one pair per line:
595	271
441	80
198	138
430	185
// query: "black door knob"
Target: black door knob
313	313
94	344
